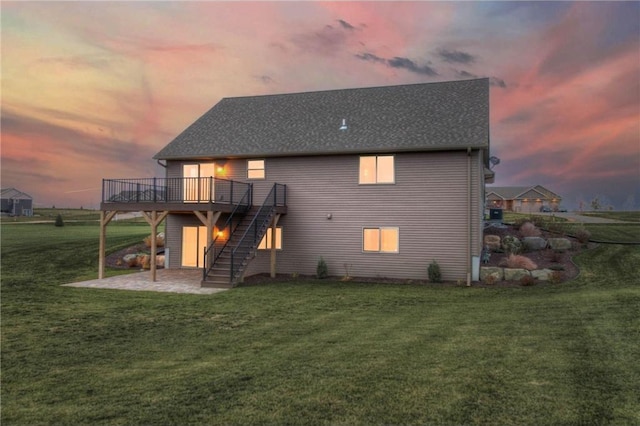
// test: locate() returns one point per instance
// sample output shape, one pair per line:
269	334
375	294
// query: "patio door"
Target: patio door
194	241
198	183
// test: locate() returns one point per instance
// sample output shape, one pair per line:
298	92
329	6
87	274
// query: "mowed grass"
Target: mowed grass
312	352
626	216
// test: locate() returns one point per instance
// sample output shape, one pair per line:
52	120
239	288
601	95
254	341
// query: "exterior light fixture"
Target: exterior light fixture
329	216
344	124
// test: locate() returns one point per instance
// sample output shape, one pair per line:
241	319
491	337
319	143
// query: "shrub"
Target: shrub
511	244
434	272
556	277
490	279
59	221
527	280
583	235
322	271
528	229
521	262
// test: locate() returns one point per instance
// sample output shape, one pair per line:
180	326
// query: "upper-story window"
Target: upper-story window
377	169
255	169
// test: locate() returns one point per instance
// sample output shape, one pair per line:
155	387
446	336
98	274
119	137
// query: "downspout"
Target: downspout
469	216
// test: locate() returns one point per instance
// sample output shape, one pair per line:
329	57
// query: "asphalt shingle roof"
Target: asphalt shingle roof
416	117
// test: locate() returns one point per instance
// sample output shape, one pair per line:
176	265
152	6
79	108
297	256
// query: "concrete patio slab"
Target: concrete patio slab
167	280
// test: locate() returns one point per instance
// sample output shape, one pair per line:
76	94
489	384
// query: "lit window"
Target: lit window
377	169
255	169
265	244
383	240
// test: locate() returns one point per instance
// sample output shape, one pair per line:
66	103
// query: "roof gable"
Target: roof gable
521	192
417	117
7	193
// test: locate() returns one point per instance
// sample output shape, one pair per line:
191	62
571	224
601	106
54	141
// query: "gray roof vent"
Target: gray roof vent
344	124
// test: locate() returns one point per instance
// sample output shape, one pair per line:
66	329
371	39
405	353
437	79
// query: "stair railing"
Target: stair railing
257	228
211	252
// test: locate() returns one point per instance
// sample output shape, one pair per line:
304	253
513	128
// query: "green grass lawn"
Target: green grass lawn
312	352
632	216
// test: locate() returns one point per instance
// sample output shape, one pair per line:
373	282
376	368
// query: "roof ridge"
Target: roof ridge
351	89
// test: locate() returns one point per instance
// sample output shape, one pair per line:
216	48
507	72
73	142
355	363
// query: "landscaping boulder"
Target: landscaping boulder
130	259
559	243
160	260
492	242
534	243
541	274
495	272
515	274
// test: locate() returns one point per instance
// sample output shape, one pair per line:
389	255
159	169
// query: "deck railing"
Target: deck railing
175	190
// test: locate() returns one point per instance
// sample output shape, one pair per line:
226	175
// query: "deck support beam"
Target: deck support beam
274	223
154	220
105	218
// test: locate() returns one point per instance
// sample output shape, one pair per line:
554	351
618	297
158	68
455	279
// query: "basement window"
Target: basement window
381	240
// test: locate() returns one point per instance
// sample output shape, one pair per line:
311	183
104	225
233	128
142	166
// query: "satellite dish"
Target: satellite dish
494	161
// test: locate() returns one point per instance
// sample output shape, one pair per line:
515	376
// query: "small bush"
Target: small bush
59	221
433	272
528	229
527	280
583	235
556	277
521	262
322	271
511	244
490	279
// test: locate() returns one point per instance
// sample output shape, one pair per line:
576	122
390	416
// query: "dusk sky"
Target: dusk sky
92	90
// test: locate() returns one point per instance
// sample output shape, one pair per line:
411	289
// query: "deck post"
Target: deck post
154	220
209	221
273	245
105	218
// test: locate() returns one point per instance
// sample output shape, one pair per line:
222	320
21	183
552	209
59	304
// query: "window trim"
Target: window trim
380	250
263	169
376	156
267	241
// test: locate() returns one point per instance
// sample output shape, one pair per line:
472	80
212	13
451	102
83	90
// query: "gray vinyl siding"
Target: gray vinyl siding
427	202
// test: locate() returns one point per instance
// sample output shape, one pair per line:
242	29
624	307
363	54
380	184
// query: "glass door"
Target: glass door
194	242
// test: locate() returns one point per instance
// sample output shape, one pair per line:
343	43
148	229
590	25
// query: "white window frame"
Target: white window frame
265	242
256	169
377	171
380	229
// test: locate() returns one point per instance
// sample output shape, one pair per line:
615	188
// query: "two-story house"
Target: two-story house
377	181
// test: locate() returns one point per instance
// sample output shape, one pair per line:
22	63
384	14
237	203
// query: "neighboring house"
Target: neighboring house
16	203
524	199
379	182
